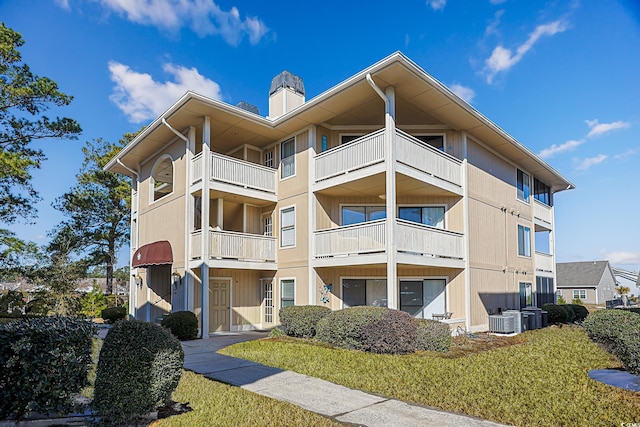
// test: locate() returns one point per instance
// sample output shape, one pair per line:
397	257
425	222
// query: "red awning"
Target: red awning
156	253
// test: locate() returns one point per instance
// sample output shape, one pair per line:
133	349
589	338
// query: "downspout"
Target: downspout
178	134
128	168
133	304
379	92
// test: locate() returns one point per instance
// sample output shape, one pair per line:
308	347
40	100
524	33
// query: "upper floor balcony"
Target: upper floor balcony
365	243
542	214
231	249
544	263
365	157
235	176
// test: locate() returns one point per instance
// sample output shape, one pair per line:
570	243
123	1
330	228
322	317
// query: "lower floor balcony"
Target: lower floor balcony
365	243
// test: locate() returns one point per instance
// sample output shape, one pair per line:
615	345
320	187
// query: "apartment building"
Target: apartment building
387	189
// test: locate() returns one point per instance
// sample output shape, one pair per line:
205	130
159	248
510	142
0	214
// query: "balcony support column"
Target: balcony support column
390	184
188	283
204	250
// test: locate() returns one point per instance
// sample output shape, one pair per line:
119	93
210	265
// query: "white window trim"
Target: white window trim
446	287
295	237
295	151
152	181
526	202
398	206
263	285
578	291
282	279
518	243
265	216
342	205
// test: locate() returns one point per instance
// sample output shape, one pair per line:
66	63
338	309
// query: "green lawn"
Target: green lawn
217	404
540	382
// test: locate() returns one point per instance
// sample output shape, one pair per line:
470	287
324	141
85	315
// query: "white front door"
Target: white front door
219	306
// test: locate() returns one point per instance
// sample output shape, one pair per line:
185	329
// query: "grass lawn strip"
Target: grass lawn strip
217	404
541	382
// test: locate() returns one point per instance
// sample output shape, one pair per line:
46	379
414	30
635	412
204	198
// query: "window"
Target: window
579	294
523	186
436	141
427	215
287	227
288	157
544	291
268	158
267	226
197	212
357	292
526	297
268	302
162	178
345	139
287	292
423	298
541	192
524	241
324	143
359	214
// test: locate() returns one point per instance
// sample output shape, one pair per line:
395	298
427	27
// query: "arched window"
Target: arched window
162	177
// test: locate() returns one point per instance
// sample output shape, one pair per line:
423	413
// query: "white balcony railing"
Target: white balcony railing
360	153
236	172
424	158
242	246
429	241
544	262
355	239
237	246
542	212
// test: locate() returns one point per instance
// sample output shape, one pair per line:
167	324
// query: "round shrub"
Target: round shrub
556	314
394	333
139	367
343	328
113	314
182	324
433	335
580	311
571	315
301	320
44	364
374	329
277	332
618	332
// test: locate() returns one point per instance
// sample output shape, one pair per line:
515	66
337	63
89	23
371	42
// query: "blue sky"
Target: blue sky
560	76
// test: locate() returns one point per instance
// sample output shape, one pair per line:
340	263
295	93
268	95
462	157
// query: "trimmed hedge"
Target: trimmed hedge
301	320
618	332
571	315
113	314
140	366
433	336
556	314
45	362
580	311
374	329
182	324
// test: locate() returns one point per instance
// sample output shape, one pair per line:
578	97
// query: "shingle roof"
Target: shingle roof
572	274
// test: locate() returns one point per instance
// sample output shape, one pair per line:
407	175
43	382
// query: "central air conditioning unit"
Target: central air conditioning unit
519	324
501	324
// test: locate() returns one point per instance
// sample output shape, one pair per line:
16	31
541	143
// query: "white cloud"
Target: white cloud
492	28
591	161
437	4
555	149
628	153
502	59
204	17
597	129
624	258
142	98
63	4
463	92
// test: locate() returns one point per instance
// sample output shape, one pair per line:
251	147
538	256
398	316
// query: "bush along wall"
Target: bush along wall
618	332
182	324
140	366
301	320
433	336
44	362
556	313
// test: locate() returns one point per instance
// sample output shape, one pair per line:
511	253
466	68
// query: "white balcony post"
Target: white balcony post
204	250
390	184
187	281
465	208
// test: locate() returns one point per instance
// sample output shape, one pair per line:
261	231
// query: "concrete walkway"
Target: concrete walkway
316	395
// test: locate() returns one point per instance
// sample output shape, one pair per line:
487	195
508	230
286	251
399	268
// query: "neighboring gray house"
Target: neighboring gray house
593	281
